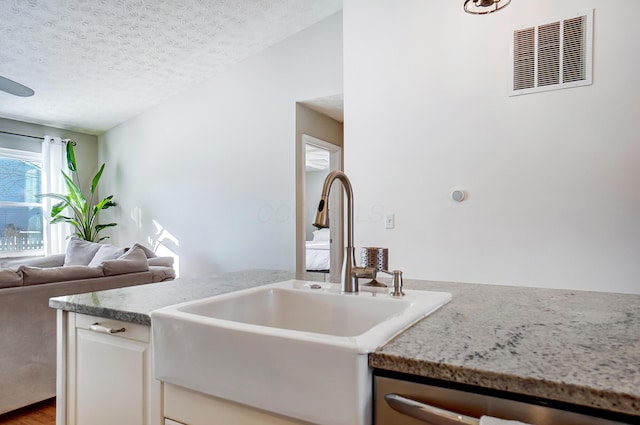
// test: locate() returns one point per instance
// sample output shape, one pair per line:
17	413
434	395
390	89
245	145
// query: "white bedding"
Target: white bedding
318	255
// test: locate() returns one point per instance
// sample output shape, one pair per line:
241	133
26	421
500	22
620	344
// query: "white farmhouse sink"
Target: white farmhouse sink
285	347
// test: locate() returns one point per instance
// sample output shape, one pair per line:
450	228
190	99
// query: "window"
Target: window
21	219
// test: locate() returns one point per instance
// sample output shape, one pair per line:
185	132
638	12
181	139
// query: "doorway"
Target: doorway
321	255
319	141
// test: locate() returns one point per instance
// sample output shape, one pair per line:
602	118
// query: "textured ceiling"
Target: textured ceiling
332	106
96	63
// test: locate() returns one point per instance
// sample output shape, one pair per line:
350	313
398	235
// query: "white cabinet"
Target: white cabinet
194	408
105	378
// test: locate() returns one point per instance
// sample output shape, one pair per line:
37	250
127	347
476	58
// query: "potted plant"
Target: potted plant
84	213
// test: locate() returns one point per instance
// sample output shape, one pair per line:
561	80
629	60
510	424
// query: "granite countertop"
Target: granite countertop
134	303
573	346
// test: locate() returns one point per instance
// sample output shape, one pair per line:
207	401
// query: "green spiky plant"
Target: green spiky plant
84	213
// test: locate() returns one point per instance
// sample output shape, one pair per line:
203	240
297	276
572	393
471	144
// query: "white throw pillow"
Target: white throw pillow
80	252
106	252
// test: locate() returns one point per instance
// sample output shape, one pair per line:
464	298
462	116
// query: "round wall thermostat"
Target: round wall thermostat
457	195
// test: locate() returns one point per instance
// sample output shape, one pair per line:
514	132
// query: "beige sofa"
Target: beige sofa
28	325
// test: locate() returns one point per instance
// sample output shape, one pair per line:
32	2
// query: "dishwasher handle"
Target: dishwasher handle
426	413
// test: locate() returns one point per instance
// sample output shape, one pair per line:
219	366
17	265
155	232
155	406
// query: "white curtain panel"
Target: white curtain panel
53	163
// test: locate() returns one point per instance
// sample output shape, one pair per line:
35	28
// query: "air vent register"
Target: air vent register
553	55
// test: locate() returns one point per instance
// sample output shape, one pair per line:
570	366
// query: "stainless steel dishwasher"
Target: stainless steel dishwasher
403	402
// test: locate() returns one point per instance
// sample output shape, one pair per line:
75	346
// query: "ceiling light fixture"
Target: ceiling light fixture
482	7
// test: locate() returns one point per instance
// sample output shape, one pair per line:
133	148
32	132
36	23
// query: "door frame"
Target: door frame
336	214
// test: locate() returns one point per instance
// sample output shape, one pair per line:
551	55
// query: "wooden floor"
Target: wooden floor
43	413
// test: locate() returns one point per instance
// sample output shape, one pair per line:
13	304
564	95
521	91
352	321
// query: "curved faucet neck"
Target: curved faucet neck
349	283
346	184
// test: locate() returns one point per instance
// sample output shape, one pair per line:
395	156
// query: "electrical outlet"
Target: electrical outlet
390	221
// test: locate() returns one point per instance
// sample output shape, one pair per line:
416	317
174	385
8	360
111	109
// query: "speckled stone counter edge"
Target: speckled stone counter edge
108	313
558	391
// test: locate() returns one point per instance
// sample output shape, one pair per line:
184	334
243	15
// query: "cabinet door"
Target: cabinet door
110	379
109	376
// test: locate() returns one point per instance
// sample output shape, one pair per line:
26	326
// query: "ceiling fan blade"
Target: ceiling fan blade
14	88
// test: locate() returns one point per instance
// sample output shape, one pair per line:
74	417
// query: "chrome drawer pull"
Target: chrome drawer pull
424	412
97	327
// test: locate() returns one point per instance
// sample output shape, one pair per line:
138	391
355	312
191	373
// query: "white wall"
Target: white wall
215	166
553	179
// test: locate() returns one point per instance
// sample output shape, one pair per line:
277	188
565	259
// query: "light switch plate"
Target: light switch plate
390	221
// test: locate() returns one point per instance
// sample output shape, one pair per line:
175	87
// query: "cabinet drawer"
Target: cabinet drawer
131	330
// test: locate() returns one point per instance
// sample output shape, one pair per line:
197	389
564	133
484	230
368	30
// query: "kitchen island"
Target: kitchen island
577	347
569	346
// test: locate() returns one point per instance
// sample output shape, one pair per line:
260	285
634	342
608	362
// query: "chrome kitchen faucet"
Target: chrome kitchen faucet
350	272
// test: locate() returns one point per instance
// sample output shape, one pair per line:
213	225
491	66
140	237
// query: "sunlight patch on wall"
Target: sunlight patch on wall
136	216
164	244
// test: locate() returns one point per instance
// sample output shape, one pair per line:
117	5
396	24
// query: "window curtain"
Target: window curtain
54	161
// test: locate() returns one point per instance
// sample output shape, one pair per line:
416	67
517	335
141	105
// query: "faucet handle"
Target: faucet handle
396	283
366	272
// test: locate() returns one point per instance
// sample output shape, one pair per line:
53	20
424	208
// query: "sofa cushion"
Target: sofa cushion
161	273
106	252
160	261
132	261
55	260
35	275
80	252
9	278
147	252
